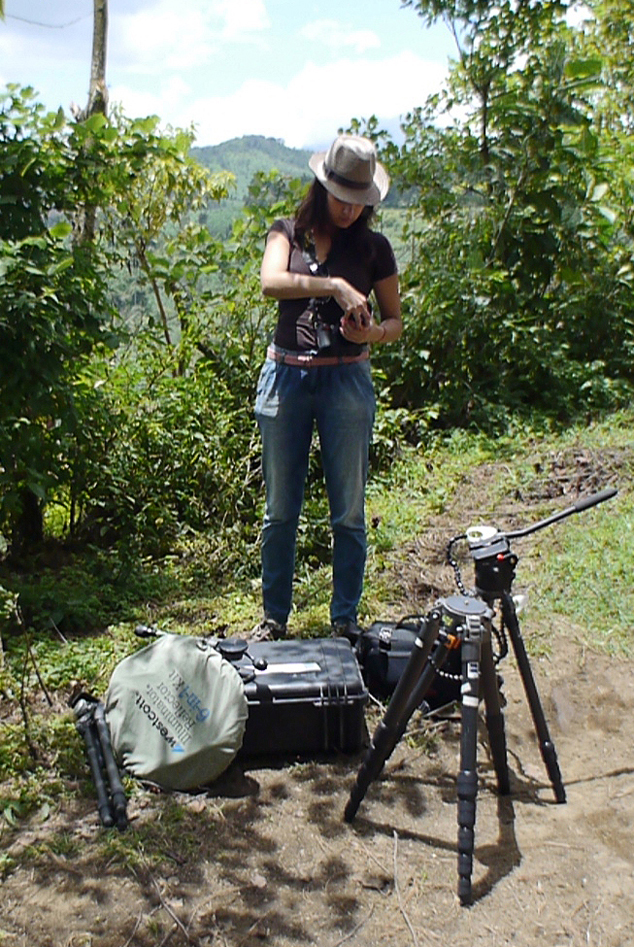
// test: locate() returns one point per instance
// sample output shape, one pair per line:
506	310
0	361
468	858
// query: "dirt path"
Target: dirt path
276	864
268	859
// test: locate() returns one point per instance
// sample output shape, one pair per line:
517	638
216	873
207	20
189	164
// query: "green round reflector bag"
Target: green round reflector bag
177	712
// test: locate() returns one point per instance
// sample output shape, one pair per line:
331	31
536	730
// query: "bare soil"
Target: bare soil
266	857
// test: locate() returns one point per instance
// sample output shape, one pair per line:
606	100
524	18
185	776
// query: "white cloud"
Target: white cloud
242	18
338	36
255	108
159	39
578	14
179	37
166	101
387	89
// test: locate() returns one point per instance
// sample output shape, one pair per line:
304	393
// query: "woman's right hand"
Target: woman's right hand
350	299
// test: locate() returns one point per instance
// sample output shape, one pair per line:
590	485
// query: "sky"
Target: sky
295	71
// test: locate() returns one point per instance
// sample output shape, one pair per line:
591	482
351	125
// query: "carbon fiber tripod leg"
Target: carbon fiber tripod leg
468	775
494	717
85	724
546	745
117	792
400	709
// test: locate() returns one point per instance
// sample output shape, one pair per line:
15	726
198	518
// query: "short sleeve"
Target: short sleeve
384	260
284	226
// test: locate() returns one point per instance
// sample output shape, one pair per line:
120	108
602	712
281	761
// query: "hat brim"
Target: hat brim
370	196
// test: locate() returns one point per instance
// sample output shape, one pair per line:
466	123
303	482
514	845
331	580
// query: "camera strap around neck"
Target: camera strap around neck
309	254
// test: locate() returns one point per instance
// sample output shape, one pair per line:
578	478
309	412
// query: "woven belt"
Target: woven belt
308	360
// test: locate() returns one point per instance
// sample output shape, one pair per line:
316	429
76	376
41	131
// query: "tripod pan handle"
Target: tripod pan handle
595	498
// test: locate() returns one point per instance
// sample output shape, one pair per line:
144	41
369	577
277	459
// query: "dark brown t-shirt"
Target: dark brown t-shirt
360	256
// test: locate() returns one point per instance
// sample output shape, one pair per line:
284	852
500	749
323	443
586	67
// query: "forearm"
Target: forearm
280	284
285	285
388	330
389	300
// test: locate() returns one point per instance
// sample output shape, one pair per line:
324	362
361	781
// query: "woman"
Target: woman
322	267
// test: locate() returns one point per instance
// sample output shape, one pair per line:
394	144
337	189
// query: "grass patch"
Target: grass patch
583	577
576	574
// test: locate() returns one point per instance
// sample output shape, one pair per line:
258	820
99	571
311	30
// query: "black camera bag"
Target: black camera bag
383	650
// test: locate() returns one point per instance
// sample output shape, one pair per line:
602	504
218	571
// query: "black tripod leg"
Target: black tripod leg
468	776
546	745
117	792
494	718
394	722
85	726
436	650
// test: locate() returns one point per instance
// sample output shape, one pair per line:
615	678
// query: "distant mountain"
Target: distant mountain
251	154
244	157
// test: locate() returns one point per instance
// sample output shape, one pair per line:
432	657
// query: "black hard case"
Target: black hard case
310	699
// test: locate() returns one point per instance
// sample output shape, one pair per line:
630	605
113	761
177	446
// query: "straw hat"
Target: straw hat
350	171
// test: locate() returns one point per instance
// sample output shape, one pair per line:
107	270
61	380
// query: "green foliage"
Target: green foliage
604	538
170	454
52	307
579	579
8	605
151	220
55	314
516	295
607	35
14	755
86	588
174	449
83	660
53	290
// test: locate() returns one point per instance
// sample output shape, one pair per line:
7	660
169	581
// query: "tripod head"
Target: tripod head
490	549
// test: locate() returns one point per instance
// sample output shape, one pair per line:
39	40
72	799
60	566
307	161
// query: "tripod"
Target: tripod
91	723
466	621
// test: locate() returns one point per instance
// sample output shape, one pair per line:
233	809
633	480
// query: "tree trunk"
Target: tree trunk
28	530
97	103
98	94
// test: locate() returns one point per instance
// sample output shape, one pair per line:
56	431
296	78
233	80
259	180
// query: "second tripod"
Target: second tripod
466	621
463	622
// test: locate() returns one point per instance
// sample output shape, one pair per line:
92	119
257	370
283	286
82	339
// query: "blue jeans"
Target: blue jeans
290	400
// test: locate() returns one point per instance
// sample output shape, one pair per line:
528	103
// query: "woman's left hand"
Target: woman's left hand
356	327
357	324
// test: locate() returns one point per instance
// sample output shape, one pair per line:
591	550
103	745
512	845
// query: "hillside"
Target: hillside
251	154
244	157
